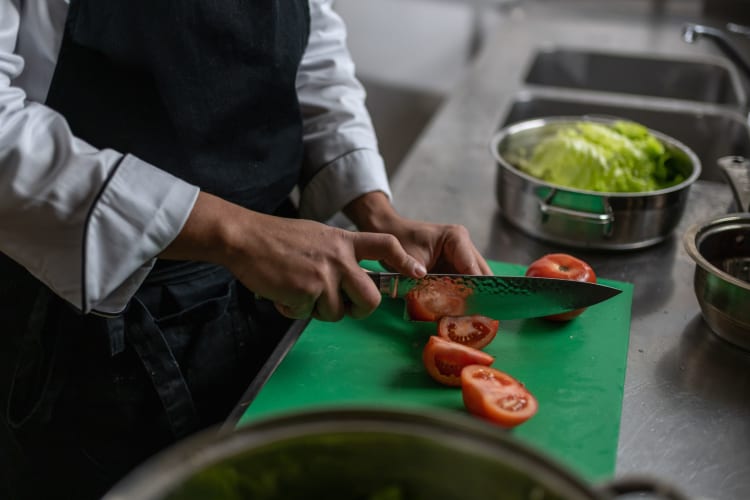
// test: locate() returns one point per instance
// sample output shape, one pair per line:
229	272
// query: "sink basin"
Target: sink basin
709	131
704	80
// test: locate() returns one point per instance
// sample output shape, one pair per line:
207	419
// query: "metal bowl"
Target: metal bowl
721	251
582	218
364	453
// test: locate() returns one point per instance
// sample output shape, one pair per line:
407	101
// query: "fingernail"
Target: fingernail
419	269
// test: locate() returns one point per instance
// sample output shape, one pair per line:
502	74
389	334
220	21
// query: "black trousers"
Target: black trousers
84	399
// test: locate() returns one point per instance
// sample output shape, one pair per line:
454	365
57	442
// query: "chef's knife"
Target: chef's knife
506	297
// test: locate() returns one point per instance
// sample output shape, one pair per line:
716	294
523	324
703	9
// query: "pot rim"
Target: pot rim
696	233
534	123
171	467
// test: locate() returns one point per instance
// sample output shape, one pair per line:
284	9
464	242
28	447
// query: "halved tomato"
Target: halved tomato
474	331
444	360
496	396
435	298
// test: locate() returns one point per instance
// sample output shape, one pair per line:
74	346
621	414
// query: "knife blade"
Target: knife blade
505	297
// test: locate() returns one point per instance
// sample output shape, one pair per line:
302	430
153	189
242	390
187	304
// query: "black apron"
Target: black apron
206	91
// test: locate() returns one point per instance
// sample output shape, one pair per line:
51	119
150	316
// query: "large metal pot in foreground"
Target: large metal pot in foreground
581	218
362	454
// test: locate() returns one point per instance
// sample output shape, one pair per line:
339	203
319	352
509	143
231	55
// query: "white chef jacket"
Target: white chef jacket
88	222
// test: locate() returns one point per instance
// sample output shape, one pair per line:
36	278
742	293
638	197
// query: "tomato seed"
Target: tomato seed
511	402
447	368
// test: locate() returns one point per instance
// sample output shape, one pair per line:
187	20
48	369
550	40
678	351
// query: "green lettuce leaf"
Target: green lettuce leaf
623	157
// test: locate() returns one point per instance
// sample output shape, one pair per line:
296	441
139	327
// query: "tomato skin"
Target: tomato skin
435	298
562	266
474	331
496	397
444	360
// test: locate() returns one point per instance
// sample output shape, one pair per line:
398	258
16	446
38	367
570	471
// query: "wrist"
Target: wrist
209	234
372	212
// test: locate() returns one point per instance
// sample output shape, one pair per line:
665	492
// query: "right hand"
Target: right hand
306	268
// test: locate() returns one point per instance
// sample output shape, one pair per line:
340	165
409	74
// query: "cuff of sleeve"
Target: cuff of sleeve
341	181
140	212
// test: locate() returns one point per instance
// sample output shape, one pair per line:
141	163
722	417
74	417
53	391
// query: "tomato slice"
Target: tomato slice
434	298
444	360
496	396
474	331
562	266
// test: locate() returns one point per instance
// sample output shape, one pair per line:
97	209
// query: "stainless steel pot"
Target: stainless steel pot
580	218
364	453
721	250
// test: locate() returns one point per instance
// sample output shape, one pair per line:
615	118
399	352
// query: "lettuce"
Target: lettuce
622	157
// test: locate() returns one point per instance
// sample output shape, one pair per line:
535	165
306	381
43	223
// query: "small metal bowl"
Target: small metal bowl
721	251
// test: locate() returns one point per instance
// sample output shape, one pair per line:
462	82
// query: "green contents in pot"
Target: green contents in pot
372	466
621	157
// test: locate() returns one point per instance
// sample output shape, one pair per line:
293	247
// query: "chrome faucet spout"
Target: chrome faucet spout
739	29
691	32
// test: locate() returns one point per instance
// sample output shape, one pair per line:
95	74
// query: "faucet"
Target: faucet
739	29
691	32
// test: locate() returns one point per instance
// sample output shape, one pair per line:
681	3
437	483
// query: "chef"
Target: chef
150	253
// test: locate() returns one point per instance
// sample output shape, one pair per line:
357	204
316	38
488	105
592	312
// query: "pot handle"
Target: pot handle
639	484
547	208
737	171
605	218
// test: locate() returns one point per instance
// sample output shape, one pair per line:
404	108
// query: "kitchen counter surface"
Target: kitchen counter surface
686	408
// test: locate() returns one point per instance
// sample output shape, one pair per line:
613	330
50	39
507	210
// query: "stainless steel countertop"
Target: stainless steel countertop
686	408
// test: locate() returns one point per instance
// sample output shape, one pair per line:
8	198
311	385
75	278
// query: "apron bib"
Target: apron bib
203	90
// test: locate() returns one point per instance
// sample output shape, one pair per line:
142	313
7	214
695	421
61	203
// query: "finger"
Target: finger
386	248
301	311
465	258
363	296
331	305
483	266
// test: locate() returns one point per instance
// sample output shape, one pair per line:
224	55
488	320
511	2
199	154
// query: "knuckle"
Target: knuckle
390	242
458	230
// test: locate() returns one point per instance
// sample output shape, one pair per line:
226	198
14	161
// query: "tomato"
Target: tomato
562	266
444	360
474	331
434	298
496	396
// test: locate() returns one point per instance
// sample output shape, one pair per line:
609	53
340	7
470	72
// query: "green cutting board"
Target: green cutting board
575	369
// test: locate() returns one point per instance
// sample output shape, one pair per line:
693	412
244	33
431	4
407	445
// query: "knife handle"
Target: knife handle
387	283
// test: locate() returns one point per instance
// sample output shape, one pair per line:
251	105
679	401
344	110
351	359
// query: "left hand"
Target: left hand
445	248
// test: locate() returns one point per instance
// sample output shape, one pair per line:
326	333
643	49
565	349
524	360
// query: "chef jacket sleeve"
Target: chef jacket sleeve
88	223
341	159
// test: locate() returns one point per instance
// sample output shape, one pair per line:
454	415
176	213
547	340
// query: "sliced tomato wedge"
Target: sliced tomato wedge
496	396
444	360
474	331
435	298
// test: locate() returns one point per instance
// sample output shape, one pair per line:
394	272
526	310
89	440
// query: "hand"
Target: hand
440	247
304	267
